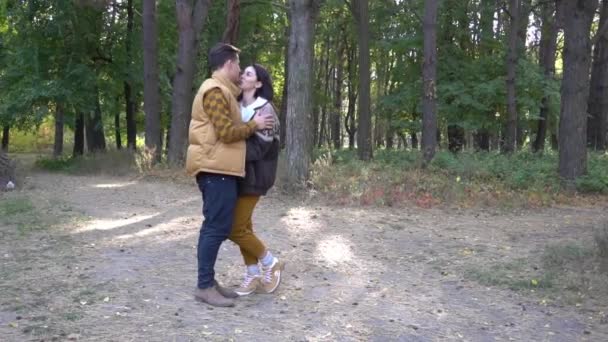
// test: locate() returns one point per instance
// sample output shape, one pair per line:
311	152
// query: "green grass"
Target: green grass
569	272
22	213
516	275
113	162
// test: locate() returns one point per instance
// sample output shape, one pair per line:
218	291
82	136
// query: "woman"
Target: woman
260	173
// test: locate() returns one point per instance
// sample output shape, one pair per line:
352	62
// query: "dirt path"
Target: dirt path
121	267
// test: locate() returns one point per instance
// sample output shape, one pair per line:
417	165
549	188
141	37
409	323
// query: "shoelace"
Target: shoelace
248	279
268	272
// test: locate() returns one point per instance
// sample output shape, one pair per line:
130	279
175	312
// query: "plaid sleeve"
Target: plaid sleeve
217	108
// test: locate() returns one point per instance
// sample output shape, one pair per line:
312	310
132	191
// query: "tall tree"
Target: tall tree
233	13
575	87
190	22
303	14
350	125
151	86
5	137
512	58
364	136
598	93
59	117
78	135
128	84
546	55
336	113
93	123
429	78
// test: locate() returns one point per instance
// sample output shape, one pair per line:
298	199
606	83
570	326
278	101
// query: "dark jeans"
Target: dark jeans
219	199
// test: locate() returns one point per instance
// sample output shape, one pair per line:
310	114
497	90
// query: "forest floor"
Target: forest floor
113	259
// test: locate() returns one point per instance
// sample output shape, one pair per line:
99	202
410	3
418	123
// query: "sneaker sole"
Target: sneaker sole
243	293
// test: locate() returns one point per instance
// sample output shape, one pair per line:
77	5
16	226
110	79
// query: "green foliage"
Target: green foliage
466	179
596	179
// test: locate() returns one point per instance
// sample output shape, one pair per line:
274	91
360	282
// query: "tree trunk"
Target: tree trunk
128	85
233	13
350	122
455	138
522	35
337	110
303	14
95	137
5	137
598	94
117	130
190	22
512	58
59	124
364	136
285	95
575	88
486	47
547	56
78	135
429	78
151	86
7	171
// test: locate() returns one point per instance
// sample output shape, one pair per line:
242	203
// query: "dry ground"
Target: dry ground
113	259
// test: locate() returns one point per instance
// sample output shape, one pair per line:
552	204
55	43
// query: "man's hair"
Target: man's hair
220	53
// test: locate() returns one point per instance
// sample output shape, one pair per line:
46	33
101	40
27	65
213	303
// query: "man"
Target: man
216	156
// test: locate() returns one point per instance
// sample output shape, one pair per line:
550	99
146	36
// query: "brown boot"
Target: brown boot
224	291
211	296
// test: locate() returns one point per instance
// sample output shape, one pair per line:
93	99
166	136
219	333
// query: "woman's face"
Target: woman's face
249	79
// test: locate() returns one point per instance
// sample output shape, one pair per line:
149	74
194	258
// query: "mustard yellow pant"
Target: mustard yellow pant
242	233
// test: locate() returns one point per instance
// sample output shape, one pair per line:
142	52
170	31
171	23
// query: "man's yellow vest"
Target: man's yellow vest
205	152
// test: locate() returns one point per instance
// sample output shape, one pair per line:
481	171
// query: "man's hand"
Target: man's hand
263	121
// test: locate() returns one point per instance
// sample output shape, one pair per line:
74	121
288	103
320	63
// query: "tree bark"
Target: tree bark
522	35
78	135
598	93
5	137
233	13
337	110
547	56
128	85
59	124
95	137
364	136
117	134
575	88
303	14
350	121
429	79
190	22
512	58
285	95
455	138
151	86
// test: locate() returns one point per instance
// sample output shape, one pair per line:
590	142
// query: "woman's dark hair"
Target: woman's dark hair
265	90
220	53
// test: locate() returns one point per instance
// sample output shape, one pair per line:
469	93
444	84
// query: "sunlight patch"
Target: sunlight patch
334	250
114	223
301	220
160	229
113	185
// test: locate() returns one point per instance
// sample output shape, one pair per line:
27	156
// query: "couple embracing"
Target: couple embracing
233	152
